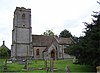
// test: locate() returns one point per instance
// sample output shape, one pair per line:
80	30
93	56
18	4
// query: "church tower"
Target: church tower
21	33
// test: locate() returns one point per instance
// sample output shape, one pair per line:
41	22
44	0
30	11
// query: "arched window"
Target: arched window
37	52
23	16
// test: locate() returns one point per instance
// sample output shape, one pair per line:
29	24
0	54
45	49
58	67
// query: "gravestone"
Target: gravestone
75	61
9	61
45	64
51	64
5	65
98	69
26	65
20	61
67	69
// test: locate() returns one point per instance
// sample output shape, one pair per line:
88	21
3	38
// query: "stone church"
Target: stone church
24	44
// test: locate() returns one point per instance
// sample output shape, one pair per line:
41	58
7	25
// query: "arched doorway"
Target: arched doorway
53	54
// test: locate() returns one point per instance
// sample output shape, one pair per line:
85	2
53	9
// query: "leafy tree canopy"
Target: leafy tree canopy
48	33
65	33
87	49
4	53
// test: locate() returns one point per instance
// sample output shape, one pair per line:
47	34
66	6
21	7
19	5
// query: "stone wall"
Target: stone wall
41	49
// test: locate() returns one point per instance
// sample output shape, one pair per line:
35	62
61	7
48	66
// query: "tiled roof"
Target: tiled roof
65	41
45	41
41	40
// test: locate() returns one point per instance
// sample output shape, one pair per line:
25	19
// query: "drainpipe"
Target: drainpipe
62	52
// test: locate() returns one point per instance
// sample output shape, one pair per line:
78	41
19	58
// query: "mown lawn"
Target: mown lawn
59	65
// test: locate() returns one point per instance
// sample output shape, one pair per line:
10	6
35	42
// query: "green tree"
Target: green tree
4	53
65	34
48	33
87	49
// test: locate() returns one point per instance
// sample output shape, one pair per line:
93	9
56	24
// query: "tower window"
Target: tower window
23	25
23	16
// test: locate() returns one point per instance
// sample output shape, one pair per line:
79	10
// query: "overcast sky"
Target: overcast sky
55	15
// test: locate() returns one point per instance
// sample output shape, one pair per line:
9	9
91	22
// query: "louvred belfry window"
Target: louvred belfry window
23	16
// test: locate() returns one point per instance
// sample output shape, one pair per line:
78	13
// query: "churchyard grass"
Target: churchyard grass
1	63
59	66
